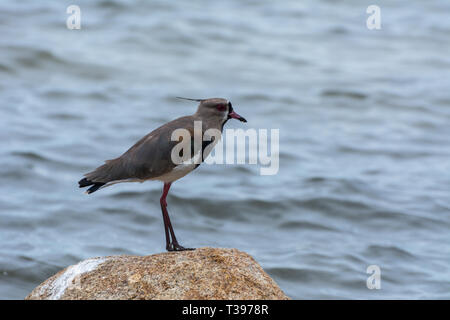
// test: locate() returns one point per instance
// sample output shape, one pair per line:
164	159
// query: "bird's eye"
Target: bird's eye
221	107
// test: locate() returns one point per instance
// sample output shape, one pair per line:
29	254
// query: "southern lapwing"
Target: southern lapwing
151	157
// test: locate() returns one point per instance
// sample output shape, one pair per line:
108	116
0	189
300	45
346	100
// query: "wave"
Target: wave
344	94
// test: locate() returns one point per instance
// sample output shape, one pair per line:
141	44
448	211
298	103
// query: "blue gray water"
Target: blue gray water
364	119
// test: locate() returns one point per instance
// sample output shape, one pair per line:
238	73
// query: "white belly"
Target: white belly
178	172
181	170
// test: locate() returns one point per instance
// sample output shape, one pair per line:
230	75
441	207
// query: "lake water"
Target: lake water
364	120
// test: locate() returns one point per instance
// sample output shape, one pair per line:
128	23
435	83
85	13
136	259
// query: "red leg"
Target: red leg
163	203
171	245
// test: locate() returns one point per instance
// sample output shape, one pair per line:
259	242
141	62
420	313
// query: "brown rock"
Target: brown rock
205	273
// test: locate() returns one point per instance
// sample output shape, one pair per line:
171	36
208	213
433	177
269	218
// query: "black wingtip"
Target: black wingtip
94	188
84	183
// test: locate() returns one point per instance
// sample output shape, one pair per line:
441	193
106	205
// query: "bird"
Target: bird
150	158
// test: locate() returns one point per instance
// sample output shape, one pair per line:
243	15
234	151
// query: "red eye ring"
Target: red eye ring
221	107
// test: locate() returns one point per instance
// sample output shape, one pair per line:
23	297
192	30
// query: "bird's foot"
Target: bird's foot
177	247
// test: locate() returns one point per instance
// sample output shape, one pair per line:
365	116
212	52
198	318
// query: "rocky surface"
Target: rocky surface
204	273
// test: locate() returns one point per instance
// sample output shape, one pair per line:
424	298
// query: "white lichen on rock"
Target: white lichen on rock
54	289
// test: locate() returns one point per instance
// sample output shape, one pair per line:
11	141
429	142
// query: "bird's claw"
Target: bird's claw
177	247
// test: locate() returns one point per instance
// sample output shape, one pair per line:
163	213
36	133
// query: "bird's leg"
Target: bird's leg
171	245
166	230
163	203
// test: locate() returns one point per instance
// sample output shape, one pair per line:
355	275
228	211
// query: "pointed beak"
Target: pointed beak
234	115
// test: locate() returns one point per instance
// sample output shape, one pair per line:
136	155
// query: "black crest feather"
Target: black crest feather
198	100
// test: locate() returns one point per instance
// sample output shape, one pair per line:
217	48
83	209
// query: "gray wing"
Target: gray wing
149	158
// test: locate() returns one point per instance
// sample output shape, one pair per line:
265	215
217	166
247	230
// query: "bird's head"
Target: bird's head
218	108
